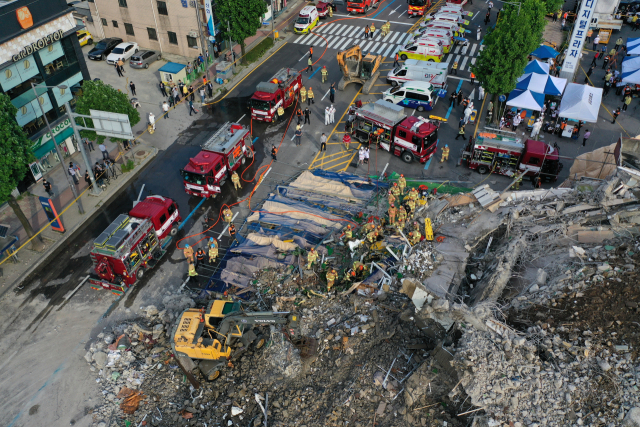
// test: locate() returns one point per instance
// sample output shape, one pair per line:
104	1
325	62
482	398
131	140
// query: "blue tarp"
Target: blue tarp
359	189
293	223
544	52
321	200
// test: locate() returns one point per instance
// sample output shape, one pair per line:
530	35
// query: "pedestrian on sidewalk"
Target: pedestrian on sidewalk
103	150
606	88
596	42
163	89
298	136
191	108
361	156
118	70
72	172
563	23
595	58
589	34
332	93
192	95
176	94
395	60
165	108
586	136
616	113
332	113
323	142
309	65
310	97
586	78
274	151
202	94
326	115
210	88
89	144
133	88
627	101
47	187
215	50
307	115
87	179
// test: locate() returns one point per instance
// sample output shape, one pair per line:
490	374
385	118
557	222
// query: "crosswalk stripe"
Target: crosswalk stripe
455	59
344	45
464	62
387	37
395	35
343	30
335	28
326	28
366	45
406	39
355	29
473	61
329	38
299	38
306	38
319	41
457	51
375	46
335	42
465	49
473	49
388	51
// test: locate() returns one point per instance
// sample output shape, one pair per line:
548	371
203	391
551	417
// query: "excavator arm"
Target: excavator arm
228	324
353	53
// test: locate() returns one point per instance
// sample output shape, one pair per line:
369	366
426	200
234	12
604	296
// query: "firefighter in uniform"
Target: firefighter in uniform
402	183
228	215
372	236
303	94
200	257
188	253
312	256
213	250
392	198
445	153
516	184
348	233
349	276
392	214
330	11
310	96
192	269
367	228
413	194
331	278
402	217
232	233
372	29
415	237
411	204
236	180
324	73
395	190
358	270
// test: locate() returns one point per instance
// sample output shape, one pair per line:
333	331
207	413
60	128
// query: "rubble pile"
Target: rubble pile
420	263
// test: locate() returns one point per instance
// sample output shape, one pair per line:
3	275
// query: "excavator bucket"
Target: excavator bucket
358	69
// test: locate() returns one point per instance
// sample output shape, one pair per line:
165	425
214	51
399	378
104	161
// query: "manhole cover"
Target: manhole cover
141	154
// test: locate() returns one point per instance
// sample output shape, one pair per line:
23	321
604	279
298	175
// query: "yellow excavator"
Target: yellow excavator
358	69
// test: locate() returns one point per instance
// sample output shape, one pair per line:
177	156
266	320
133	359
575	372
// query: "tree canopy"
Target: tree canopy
244	18
99	96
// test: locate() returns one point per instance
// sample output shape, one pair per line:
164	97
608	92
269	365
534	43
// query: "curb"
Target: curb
78	228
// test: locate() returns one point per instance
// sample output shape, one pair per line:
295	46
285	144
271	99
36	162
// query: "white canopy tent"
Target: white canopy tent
630	63
581	102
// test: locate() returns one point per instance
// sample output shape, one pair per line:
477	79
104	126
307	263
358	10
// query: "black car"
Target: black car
103	48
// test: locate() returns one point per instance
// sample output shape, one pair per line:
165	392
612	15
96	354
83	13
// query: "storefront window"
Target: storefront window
57	58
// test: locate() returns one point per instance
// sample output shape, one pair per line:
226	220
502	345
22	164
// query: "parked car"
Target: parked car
143	58
84	37
123	51
103	48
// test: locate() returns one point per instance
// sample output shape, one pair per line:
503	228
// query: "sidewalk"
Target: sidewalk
28	260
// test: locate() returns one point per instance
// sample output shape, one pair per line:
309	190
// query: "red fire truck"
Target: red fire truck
133	243
386	124
222	154
361	6
506	156
418	7
279	91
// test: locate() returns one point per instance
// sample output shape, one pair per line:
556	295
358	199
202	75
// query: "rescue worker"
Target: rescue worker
445	153
192	270
395	190
349	276
312	256
413	194
358	270
330	11
386	28
332	275
228	215
402	217
324	73
402	183
395	60
213	250
188	253
411	204
454	68
392	214
348	233
310	97
199	257
372	236
372	29
516	184
236	180
303	94
416	237
392	198
232	233
299	115
274	151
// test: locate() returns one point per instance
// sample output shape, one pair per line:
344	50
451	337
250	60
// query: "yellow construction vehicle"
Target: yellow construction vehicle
204	338
358	69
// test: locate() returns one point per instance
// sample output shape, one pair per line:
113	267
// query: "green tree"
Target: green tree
243	17
552	6
99	96
15	156
517	34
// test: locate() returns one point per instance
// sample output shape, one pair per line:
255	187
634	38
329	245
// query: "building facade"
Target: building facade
169	26
39	45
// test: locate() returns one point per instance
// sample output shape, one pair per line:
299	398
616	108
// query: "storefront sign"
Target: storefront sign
52	214
576	44
24	17
47	136
37	45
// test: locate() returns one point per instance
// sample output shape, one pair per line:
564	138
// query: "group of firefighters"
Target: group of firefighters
373	231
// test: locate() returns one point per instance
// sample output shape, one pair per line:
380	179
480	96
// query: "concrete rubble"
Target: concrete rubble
523	312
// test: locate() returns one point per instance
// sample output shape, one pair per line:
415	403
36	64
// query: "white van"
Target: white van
418	95
448	17
452	9
445	44
421	52
307	20
433	32
445	25
422	71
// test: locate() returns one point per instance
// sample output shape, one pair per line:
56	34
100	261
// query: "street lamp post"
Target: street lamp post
55	144
95	190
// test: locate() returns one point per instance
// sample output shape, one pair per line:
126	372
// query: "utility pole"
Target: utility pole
69	180
273	16
95	190
231	47
200	7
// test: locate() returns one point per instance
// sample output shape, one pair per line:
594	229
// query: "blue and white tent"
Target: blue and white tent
542	83
526	99
633	46
544	52
537	67
631	77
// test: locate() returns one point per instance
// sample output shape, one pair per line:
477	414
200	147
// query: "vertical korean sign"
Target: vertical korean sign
209	15
576	44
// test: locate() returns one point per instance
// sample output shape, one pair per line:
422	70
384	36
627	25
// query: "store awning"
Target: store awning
581	102
544	52
541	83
526	99
536	67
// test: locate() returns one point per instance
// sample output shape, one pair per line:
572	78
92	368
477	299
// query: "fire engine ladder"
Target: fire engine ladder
142	229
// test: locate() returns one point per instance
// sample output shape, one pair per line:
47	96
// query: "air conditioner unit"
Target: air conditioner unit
193	34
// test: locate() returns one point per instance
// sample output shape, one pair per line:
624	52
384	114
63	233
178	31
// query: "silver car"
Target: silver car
143	58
